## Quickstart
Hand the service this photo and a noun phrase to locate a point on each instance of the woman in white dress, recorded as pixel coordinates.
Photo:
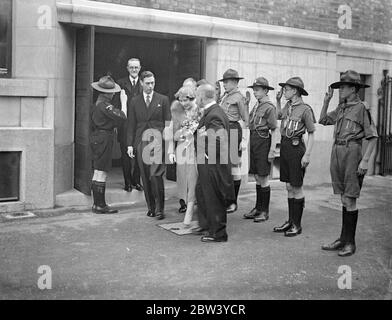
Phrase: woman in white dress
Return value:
(185, 117)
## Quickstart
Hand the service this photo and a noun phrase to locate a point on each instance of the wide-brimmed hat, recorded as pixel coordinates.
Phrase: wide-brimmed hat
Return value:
(231, 74)
(350, 77)
(185, 92)
(106, 84)
(261, 82)
(295, 82)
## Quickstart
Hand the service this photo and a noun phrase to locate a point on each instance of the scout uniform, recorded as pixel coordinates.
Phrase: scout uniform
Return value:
(262, 119)
(231, 103)
(353, 122)
(104, 118)
(296, 118)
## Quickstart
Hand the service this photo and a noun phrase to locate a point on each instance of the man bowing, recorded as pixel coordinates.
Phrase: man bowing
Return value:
(215, 182)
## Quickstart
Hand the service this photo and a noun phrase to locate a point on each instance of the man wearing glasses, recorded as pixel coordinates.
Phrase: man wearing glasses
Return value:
(131, 85)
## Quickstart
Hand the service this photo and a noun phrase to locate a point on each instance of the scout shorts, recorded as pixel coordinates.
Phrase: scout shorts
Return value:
(291, 154)
(345, 160)
(259, 149)
(101, 143)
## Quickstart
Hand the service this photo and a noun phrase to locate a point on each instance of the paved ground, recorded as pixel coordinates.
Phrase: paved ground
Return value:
(126, 256)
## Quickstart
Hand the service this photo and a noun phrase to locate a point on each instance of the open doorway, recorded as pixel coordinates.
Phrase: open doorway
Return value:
(172, 58)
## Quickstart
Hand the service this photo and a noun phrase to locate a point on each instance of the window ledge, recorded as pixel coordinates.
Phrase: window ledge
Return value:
(24, 87)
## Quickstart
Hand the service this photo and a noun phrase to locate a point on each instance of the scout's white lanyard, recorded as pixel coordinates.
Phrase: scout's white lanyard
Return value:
(290, 123)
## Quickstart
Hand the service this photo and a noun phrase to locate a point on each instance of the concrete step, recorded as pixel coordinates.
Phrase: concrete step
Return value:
(114, 195)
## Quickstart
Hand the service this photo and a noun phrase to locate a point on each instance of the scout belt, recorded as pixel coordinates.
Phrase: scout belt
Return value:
(262, 133)
(344, 142)
(295, 141)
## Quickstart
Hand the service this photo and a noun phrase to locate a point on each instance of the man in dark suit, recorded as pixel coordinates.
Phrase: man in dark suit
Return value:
(215, 182)
(132, 87)
(148, 114)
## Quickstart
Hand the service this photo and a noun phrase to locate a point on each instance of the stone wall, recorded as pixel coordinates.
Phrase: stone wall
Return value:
(371, 20)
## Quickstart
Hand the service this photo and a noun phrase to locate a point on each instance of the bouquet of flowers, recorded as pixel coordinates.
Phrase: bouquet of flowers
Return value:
(189, 126)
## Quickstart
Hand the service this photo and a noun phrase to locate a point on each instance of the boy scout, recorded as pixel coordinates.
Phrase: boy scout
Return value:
(233, 104)
(104, 118)
(262, 121)
(297, 118)
(353, 123)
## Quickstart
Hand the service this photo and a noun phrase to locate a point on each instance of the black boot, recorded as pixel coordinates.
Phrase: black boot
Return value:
(95, 195)
(265, 200)
(285, 226)
(298, 208)
(256, 211)
(102, 207)
(351, 226)
(339, 243)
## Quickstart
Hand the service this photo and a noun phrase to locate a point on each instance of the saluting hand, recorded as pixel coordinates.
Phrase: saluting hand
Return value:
(247, 98)
(328, 94)
(279, 95)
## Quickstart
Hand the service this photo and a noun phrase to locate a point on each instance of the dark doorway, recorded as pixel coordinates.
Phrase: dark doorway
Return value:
(171, 58)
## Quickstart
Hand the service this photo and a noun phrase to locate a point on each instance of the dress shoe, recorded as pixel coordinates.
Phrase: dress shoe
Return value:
(104, 210)
(347, 250)
(264, 216)
(212, 239)
(138, 187)
(231, 208)
(128, 188)
(293, 231)
(160, 216)
(150, 213)
(284, 227)
(252, 214)
(336, 245)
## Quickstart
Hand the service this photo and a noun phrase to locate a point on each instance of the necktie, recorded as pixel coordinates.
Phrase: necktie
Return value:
(133, 83)
(148, 101)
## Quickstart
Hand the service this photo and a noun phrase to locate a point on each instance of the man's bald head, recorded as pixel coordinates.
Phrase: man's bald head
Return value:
(205, 94)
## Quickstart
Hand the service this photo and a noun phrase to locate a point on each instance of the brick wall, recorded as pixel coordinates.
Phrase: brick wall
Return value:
(371, 19)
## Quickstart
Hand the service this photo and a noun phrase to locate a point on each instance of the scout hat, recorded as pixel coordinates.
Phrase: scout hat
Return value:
(185, 92)
(261, 82)
(106, 84)
(350, 77)
(296, 82)
(230, 74)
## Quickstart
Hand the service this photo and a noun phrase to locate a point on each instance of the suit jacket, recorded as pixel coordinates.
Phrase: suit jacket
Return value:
(141, 118)
(214, 118)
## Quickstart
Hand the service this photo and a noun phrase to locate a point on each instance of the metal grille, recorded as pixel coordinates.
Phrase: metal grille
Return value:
(385, 124)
